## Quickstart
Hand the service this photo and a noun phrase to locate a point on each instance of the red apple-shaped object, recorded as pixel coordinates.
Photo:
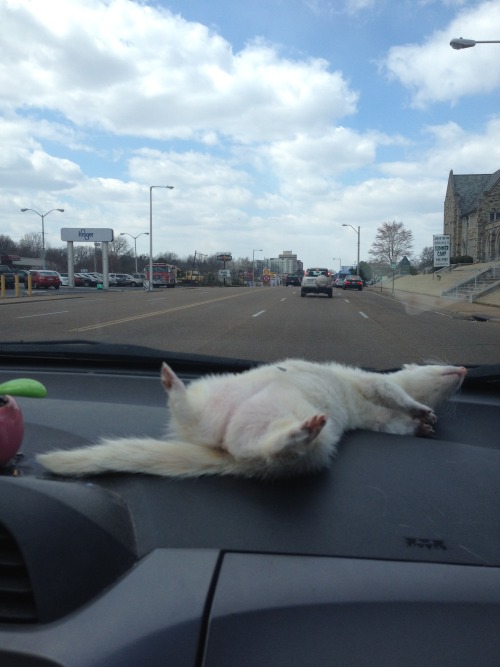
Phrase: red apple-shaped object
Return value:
(11, 429)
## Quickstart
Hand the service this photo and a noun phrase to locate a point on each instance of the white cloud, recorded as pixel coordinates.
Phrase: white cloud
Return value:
(434, 72)
(120, 66)
(257, 145)
(24, 161)
(450, 146)
(330, 7)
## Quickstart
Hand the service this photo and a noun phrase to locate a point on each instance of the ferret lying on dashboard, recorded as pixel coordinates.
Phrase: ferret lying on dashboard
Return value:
(278, 419)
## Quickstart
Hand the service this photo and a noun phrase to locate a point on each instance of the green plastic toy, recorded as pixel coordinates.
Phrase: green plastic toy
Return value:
(23, 387)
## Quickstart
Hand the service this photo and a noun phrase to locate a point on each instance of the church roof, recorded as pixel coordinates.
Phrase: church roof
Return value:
(470, 187)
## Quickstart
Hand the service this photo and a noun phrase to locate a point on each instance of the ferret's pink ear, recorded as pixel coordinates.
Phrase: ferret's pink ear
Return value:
(169, 379)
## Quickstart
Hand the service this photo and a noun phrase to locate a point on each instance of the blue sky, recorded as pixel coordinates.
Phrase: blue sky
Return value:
(276, 121)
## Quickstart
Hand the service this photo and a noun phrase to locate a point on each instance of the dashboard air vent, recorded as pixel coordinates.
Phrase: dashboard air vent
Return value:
(17, 602)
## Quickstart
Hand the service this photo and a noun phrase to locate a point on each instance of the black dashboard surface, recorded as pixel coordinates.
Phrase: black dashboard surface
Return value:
(390, 557)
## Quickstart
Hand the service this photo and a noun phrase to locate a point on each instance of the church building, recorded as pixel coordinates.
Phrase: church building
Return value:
(472, 215)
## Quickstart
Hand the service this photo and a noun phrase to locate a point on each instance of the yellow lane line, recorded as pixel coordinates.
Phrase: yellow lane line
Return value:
(132, 318)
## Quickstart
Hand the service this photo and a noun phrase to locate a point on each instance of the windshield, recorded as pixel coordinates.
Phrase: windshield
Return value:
(177, 162)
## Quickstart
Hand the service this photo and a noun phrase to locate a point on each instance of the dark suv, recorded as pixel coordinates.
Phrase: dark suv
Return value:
(292, 280)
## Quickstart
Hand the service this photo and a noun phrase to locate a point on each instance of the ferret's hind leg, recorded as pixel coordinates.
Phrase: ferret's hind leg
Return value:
(292, 436)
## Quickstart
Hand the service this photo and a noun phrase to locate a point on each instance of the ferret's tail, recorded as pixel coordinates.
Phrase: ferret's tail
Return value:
(168, 458)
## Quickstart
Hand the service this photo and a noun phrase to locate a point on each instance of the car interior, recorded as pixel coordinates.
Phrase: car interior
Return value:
(389, 557)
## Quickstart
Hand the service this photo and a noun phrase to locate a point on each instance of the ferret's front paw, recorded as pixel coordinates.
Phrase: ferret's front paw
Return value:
(423, 428)
(425, 415)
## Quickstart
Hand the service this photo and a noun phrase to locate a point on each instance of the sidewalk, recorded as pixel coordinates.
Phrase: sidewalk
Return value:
(425, 292)
(10, 297)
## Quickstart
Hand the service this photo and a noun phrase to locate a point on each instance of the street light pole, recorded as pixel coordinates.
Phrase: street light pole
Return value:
(135, 243)
(461, 43)
(358, 232)
(253, 265)
(42, 215)
(168, 187)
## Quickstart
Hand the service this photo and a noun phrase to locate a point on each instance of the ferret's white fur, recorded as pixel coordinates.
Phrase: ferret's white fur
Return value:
(278, 419)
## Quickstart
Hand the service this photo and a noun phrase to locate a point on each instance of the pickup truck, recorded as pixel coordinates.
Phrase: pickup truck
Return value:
(8, 273)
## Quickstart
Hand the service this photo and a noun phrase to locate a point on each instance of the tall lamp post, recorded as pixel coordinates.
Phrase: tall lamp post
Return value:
(358, 232)
(135, 243)
(168, 187)
(461, 43)
(42, 215)
(253, 265)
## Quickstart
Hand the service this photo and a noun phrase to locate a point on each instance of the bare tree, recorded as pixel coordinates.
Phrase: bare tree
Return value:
(426, 258)
(392, 243)
(7, 245)
(119, 250)
(169, 257)
(30, 245)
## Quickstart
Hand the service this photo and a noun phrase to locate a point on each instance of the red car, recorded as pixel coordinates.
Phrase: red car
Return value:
(45, 279)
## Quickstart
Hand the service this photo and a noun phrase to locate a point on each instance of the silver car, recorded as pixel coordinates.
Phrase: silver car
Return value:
(317, 281)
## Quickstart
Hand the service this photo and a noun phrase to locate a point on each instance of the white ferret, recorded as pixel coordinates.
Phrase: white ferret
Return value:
(278, 419)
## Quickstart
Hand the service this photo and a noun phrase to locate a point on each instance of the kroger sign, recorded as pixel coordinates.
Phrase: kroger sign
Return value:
(86, 235)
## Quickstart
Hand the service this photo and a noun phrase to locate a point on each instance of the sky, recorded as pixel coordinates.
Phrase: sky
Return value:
(276, 121)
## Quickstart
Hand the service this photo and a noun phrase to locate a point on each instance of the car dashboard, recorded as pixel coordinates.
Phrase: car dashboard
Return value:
(390, 557)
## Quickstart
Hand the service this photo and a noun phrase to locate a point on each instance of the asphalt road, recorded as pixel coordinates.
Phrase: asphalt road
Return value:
(365, 328)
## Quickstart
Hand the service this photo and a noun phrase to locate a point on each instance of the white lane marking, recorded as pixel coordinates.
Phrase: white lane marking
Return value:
(363, 315)
(55, 312)
(347, 300)
(283, 299)
(259, 313)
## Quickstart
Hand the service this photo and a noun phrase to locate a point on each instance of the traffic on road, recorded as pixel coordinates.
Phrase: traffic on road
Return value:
(369, 327)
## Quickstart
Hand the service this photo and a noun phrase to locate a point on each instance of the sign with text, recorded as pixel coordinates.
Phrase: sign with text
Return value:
(86, 235)
(441, 250)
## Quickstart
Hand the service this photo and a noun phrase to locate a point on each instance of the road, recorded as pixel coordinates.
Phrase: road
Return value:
(365, 328)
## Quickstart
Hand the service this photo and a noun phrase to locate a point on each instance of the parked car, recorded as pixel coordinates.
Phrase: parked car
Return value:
(78, 282)
(317, 281)
(353, 282)
(120, 279)
(90, 279)
(23, 276)
(137, 279)
(8, 274)
(45, 279)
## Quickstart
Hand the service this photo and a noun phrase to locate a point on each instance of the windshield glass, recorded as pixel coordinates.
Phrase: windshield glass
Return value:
(177, 162)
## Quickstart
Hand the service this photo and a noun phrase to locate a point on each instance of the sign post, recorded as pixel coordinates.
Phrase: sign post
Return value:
(224, 257)
(86, 235)
(393, 269)
(441, 244)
